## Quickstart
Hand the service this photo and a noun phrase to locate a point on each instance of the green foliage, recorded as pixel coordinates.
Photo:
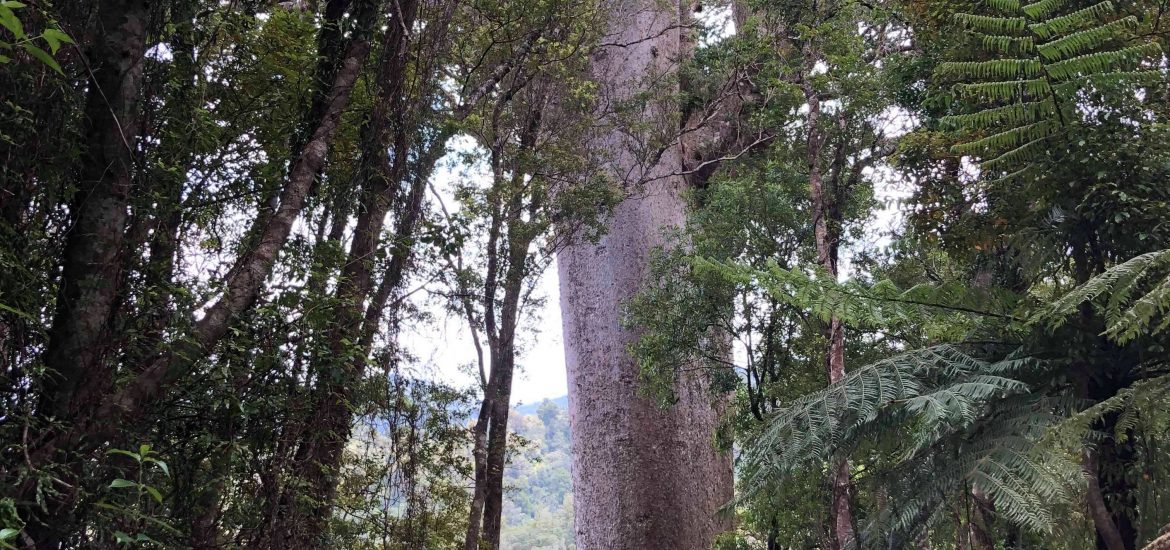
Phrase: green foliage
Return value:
(538, 509)
(1134, 297)
(962, 423)
(51, 35)
(1021, 103)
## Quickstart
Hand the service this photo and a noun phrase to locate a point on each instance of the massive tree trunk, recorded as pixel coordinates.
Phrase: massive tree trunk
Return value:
(643, 476)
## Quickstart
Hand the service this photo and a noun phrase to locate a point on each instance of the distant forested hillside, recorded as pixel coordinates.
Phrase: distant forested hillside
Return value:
(538, 506)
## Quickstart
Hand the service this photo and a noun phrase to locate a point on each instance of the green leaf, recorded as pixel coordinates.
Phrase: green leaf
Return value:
(54, 38)
(161, 465)
(9, 20)
(123, 537)
(122, 483)
(43, 56)
(137, 457)
(8, 533)
(154, 493)
(9, 309)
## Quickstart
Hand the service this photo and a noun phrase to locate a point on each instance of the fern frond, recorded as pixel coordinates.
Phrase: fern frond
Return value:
(1077, 427)
(997, 455)
(997, 69)
(940, 387)
(1052, 58)
(1070, 22)
(1012, 138)
(1084, 41)
(991, 25)
(1100, 62)
(1015, 114)
(1019, 155)
(1044, 8)
(1126, 318)
(1010, 45)
(1134, 321)
(1010, 6)
(1018, 90)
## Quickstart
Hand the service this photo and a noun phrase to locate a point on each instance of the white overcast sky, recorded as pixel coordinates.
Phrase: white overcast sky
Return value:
(445, 346)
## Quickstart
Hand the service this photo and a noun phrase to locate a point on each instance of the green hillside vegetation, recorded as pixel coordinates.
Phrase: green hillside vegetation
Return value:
(538, 512)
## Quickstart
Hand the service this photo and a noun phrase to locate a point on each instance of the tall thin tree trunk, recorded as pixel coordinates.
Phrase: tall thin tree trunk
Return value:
(318, 461)
(1108, 535)
(497, 449)
(826, 223)
(507, 269)
(643, 476)
(479, 482)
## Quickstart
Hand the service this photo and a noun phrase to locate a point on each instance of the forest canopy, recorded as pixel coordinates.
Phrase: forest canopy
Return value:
(832, 273)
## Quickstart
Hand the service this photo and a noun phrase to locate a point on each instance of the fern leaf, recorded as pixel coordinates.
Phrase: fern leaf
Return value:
(991, 25)
(1015, 114)
(1078, 19)
(1009, 6)
(1044, 8)
(1019, 155)
(1084, 41)
(1010, 45)
(1141, 313)
(997, 69)
(1120, 282)
(1012, 138)
(1099, 62)
(1006, 90)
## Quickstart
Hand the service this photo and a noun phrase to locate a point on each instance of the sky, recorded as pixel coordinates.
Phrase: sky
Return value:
(445, 347)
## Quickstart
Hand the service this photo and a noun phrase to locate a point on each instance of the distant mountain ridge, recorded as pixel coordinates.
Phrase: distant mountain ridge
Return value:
(561, 402)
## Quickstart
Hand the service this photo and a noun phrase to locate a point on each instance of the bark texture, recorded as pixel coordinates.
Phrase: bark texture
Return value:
(92, 269)
(644, 477)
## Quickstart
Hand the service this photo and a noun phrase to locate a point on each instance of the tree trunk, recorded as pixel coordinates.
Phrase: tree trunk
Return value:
(92, 270)
(497, 448)
(507, 269)
(826, 230)
(94, 257)
(643, 477)
(318, 460)
(982, 511)
(1110, 535)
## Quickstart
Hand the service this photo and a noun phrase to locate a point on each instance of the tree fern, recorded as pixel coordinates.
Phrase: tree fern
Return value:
(997, 456)
(956, 421)
(935, 386)
(1045, 52)
(1134, 295)
(949, 307)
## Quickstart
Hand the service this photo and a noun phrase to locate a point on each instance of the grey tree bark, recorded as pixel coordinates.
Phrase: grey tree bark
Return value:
(644, 477)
